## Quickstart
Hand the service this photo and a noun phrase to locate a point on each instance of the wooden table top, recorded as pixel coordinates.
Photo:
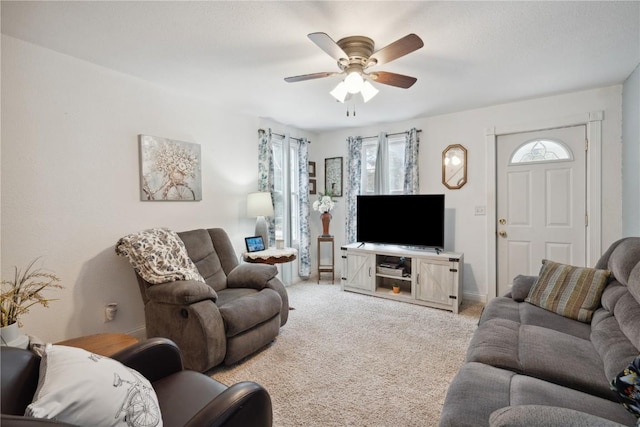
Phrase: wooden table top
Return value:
(105, 344)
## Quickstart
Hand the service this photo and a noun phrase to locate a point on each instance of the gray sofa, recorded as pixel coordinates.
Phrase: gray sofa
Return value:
(527, 366)
(238, 310)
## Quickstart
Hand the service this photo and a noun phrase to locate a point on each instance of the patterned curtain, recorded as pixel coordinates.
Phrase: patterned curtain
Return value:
(411, 185)
(265, 175)
(304, 257)
(352, 186)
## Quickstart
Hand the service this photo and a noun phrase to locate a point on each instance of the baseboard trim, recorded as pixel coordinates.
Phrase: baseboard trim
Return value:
(140, 332)
(474, 297)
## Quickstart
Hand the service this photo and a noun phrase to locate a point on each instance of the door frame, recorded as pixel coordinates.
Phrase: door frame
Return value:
(593, 123)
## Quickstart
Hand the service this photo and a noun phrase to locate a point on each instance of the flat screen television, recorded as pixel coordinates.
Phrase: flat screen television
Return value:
(406, 220)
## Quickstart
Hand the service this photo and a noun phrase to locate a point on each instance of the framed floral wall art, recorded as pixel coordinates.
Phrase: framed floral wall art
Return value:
(169, 170)
(333, 176)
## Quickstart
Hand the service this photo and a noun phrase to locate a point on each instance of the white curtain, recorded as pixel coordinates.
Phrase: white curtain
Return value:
(381, 182)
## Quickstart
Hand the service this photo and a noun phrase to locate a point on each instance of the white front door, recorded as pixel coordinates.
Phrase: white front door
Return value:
(541, 201)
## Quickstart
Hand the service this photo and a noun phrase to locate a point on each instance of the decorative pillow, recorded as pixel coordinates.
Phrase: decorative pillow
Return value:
(573, 292)
(158, 255)
(627, 385)
(85, 389)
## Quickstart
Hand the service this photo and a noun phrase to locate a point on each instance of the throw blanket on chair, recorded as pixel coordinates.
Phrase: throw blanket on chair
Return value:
(158, 255)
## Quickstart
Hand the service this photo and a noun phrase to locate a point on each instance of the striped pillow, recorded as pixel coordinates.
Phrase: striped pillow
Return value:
(572, 292)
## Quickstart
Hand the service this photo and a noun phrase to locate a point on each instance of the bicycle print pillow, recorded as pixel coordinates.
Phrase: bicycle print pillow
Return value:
(82, 388)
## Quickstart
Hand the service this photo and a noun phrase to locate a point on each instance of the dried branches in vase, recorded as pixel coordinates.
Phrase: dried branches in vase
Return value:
(24, 291)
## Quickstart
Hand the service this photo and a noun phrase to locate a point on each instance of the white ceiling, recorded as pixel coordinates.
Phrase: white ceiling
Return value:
(237, 53)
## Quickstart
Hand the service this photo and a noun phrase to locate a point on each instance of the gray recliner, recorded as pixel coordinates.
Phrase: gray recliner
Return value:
(237, 311)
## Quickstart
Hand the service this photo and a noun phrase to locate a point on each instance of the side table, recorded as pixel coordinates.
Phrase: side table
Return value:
(102, 344)
(328, 267)
(270, 256)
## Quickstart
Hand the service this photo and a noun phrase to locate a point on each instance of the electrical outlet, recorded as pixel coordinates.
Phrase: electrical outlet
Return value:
(110, 311)
(480, 210)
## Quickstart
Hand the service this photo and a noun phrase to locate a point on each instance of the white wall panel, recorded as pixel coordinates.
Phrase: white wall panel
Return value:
(558, 209)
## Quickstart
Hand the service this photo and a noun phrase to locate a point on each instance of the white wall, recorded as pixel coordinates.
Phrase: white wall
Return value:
(70, 179)
(631, 155)
(465, 231)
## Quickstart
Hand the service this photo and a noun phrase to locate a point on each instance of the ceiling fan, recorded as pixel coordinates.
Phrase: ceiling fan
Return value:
(355, 54)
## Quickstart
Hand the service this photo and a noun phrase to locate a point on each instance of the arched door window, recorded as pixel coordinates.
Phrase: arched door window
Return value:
(541, 150)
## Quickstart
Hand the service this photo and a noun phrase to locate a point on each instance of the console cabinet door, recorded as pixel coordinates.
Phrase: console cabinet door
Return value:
(360, 272)
(435, 281)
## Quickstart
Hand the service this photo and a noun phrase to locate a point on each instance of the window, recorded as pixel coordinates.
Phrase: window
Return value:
(541, 150)
(285, 167)
(392, 179)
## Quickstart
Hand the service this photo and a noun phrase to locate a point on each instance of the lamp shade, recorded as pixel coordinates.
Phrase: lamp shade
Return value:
(259, 204)
(368, 91)
(354, 82)
(340, 92)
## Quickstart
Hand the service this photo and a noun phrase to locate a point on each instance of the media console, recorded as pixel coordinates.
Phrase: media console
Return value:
(425, 277)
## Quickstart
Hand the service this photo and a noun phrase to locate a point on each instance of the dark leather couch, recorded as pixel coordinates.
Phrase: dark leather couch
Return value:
(186, 398)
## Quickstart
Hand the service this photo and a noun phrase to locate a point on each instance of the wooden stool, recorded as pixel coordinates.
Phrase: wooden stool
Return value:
(329, 267)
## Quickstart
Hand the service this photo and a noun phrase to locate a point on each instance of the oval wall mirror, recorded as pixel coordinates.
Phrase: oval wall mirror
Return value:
(454, 166)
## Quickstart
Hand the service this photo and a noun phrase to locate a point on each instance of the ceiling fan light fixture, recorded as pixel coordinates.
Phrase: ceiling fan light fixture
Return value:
(368, 91)
(340, 92)
(354, 54)
(354, 82)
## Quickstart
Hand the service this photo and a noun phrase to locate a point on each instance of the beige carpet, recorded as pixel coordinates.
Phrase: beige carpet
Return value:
(345, 359)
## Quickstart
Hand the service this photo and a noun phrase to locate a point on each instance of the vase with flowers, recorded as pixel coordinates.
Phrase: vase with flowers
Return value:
(325, 204)
(17, 295)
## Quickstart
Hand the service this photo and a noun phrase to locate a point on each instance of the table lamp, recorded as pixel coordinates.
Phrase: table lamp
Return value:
(260, 205)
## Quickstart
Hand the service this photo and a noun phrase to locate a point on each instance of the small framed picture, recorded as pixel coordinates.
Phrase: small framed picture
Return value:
(312, 186)
(333, 176)
(312, 170)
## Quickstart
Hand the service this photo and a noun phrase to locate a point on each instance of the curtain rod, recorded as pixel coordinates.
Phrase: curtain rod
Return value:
(279, 134)
(390, 134)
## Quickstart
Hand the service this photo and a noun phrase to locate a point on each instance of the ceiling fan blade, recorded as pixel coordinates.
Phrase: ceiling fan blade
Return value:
(304, 77)
(397, 49)
(393, 79)
(327, 44)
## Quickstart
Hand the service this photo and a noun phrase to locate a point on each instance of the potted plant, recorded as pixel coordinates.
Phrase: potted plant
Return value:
(396, 288)
(18, 295)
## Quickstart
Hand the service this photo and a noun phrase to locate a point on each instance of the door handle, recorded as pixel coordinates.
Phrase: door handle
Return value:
(502, 233)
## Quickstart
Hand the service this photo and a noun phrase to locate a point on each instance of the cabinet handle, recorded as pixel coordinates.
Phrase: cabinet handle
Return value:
(369, 271)
(418, 279)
